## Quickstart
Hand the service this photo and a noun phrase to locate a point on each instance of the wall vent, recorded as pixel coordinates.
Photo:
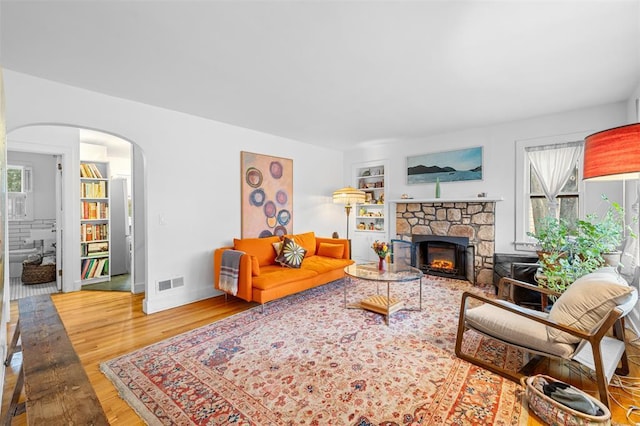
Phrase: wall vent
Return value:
(171, 283)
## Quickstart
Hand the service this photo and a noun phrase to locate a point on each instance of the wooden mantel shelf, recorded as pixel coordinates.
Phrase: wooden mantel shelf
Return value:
(446, 200)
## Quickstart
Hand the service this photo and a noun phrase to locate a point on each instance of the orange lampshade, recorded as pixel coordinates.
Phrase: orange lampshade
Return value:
(613, 154)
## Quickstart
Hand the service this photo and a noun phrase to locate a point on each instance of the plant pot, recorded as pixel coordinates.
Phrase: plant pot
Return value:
(612, 258)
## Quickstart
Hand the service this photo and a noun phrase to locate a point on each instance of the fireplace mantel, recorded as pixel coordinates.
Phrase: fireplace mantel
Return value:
(446, 200)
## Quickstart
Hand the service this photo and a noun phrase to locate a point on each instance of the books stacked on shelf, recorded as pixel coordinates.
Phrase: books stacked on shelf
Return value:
(94, 268)
(93, 189)
(96, 249)
(90, 170)
(89, 232)
(94, 210)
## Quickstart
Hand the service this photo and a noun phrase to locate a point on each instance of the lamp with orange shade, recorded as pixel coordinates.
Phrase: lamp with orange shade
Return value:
(614, 154)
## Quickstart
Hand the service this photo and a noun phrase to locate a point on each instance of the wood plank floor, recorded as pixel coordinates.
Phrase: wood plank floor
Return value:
(103, 325)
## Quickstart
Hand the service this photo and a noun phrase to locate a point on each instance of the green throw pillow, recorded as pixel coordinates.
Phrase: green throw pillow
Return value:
(291, 254)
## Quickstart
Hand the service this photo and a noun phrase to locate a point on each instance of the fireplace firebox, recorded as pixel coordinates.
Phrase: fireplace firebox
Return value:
(444, 256)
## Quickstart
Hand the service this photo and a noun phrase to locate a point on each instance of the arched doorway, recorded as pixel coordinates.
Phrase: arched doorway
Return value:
(65, 142)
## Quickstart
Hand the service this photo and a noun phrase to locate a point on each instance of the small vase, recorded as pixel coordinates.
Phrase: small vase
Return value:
(437, 187)
(381, 264)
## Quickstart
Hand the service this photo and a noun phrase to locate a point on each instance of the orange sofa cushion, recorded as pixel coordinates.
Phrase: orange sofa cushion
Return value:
(275, 275)
(307, 241)
(331, 250)
(262, 248)
(321, 264)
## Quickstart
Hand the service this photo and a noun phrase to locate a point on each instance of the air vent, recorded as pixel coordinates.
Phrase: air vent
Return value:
(171, 283)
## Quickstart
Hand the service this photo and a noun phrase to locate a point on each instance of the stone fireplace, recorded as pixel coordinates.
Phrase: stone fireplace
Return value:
(445, 256)
(472, 220)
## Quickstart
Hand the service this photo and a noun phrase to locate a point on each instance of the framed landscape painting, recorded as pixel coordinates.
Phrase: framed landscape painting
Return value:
(267, 195)
(447, 166)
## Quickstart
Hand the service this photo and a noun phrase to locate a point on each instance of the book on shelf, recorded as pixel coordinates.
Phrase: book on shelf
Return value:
(85, 268)
(93, 189)
(95, 249)
(93, 267)
(90, 170)
(91, 210)
(93, 232)
(95, 170)
(100, 247)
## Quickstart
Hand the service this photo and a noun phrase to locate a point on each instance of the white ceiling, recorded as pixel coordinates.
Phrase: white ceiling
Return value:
(335, 73)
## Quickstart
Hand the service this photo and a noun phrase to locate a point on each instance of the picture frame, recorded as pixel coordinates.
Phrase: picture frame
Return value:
(267, 195)
(445, 166)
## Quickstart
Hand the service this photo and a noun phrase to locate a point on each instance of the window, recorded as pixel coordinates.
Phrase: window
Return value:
(19, 192)
(568, 199)
(531, 201)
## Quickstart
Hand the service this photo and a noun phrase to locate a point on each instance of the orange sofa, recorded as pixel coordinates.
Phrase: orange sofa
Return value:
(261, 279)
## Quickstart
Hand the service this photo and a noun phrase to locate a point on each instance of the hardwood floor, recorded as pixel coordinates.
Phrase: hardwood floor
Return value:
(103, 325)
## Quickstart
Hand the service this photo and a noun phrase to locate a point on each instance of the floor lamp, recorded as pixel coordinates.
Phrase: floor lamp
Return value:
(348, 196)
(614, 154)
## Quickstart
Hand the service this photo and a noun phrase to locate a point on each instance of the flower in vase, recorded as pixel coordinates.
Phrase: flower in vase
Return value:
(381, 248)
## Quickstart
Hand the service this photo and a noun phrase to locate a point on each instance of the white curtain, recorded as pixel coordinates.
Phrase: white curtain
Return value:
(553, 165)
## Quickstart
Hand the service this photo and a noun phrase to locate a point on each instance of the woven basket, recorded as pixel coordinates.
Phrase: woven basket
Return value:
(33, 272)
(553, 413)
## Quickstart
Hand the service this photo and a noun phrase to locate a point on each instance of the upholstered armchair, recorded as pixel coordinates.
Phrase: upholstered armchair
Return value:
(576, 328)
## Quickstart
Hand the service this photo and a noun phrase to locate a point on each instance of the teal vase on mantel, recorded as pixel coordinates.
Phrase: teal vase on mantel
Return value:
(437, 187)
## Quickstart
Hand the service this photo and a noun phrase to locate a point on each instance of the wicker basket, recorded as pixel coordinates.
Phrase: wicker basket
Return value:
(33, 272)
(553, 413)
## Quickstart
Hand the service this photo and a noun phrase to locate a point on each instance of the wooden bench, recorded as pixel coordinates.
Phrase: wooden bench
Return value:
(57, 389)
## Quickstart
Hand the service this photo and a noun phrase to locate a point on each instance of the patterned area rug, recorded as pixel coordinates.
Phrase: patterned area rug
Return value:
(309, 361)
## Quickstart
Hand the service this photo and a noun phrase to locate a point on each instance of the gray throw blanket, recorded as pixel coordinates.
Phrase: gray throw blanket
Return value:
(229, 271)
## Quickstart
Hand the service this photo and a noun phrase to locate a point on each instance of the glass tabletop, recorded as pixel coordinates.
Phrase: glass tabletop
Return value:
(392, 272)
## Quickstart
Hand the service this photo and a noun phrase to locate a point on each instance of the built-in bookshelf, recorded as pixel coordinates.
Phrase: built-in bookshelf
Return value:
(371, 216)
(94, 222)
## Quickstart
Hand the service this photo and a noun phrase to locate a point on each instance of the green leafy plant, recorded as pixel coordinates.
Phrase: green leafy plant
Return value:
(551, 234)
(569, 252)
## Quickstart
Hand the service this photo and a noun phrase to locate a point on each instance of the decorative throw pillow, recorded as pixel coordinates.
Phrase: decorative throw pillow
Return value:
(306, 240)
(277, 246)
(586, 302)
(291, 254)
(331, 250)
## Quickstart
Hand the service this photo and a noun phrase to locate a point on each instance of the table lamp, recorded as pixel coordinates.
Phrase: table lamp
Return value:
(348, 196)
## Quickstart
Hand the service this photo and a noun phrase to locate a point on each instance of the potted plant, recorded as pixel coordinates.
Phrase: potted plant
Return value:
(552, 235)
(601, 237)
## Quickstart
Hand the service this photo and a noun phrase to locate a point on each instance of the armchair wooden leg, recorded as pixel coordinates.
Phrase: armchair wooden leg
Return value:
(515, 376)
(618, 331)
(601, 378)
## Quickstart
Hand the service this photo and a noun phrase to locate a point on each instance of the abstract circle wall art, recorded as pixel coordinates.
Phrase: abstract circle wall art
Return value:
(276, 169)
(253, 177)
(257, 197)
(267, 195)
(270, 209)
(284, 217)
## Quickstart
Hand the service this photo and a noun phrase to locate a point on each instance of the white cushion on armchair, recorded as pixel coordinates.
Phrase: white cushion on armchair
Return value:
(510, 327)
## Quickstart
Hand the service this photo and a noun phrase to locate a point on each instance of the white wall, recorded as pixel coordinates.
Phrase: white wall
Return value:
(499, 166)
(192, 177)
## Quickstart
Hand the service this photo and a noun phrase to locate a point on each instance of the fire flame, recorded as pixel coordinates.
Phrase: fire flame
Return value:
(442, 264)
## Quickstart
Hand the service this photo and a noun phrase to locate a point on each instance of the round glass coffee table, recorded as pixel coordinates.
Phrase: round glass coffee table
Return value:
(393, 273)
